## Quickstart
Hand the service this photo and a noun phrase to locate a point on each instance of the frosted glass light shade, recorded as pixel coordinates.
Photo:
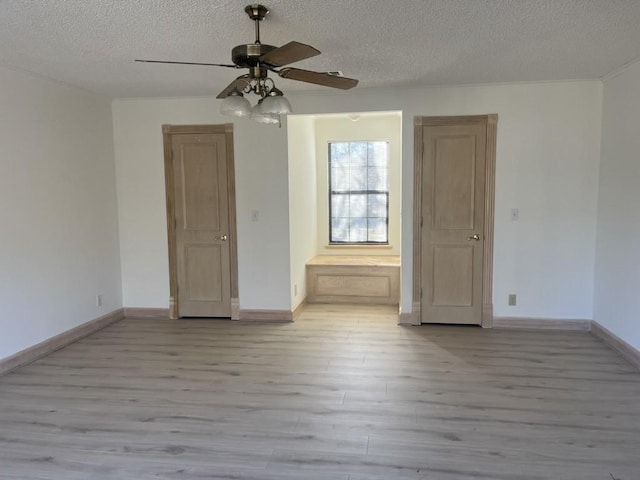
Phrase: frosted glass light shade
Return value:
(235, 106)
(259, 116)
(276, 104)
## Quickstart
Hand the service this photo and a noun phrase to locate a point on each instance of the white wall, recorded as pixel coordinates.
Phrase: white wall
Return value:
(547, 166)
(261, 184)
(303, 218)
(58, 217)
(380, 126)
(617, 282)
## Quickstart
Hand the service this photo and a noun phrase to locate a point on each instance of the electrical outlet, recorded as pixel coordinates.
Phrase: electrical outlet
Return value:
(99, 300)
(515, 214)
(255, 215)
(512, 299)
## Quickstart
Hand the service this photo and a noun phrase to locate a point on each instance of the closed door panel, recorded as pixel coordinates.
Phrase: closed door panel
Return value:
(453, 222)
(454, 158)
(202, 272)
(452, 276)
(202, 225)
(199, 168)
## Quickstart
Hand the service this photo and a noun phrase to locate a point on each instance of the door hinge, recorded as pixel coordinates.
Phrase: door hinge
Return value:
(420, 292)
(421, 221)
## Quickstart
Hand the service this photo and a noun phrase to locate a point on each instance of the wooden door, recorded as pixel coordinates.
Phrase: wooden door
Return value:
(201, 221)
(453, 212)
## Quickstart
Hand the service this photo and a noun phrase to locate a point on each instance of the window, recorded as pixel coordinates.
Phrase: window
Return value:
(358, 193)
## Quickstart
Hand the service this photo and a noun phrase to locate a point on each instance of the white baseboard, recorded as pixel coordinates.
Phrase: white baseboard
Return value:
(298, 309)
(143, 312)
(59, 341)
(239, 314)
(266, 315)
(616, 343)
(530, 323)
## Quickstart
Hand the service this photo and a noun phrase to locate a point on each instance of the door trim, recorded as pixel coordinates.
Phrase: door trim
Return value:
(167, 132)
(491, 122)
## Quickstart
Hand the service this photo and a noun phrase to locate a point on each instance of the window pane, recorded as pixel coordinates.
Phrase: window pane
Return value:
(339, 154)
(358, 206)
(377, 179)
(339, 206)
(358, 153)
(378, 205)
(358, 230)
(377, 230)
(340, 178)
(339, 229)
(358, 180)
(377, 154)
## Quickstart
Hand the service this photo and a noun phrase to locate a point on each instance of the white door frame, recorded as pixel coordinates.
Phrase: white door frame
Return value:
(491, 122)
(167, 132)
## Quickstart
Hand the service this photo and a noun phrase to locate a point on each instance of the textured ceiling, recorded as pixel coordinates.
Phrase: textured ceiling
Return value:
(92, 43)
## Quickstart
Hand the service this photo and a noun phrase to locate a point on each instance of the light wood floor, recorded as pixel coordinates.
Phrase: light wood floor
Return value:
(343, 393)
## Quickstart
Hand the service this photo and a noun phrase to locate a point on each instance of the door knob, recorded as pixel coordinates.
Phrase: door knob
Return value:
(475, 237)
(222, 237)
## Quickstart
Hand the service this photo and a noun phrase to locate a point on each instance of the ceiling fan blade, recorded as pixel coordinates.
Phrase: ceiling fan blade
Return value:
(318, 78)
(190, 63)
(289, 53)
(238, 84)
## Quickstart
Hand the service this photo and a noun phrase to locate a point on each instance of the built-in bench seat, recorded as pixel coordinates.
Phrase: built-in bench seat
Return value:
(369, 279)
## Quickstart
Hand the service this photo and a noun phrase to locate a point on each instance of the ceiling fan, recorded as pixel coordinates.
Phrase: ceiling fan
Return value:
(260, 59)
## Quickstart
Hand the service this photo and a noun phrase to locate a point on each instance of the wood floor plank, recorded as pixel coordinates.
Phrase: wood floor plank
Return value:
(344, 393)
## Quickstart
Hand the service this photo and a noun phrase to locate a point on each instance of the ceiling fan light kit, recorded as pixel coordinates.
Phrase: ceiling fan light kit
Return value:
(275, 103)
(261, 59)
(235, 105)
(259, 116)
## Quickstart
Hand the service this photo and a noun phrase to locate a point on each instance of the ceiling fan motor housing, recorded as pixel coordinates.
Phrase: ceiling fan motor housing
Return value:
(248, 55)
